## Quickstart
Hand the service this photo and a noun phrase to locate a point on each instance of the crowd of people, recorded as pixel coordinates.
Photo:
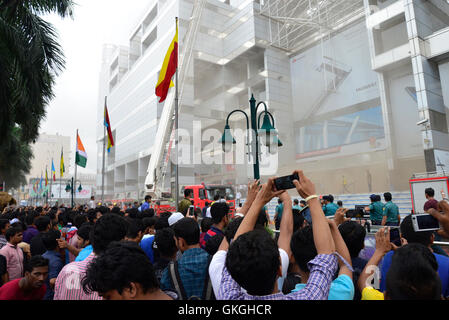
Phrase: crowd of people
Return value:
(98, 252)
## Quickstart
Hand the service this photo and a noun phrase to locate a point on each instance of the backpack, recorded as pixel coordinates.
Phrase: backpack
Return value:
(208, 293)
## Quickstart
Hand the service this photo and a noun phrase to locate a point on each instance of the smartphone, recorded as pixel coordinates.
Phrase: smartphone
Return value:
(286, 182)
(191, 210)
(354, 213)
(395, 236)
(424, 222)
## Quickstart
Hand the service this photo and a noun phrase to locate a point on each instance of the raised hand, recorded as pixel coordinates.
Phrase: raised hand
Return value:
(304, 186)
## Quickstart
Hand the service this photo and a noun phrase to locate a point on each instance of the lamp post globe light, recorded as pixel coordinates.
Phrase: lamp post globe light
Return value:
(69, 187)
(267, 133)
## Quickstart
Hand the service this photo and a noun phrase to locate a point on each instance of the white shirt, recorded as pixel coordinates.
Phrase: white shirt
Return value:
(218, 262)
(92, 204)
(208, 215)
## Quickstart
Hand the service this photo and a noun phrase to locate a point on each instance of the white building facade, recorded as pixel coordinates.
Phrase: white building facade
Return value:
(346, 82)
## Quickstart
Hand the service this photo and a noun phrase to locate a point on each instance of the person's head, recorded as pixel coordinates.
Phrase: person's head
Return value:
(42, 223)
(50, 239)
(149, 225)
(136, 230)
(213, 244)
(408, 233)
(14, 235)
(373, 198)
(166, 243)
(116, 210)
(253, 262)
(36, 271)
(295, 202)
(232, 227)
(188, 193)
(206, 223)
(429, 192)
(302, 203)
(148, 198)
(122, 272)
(187, 233)
(353, 235)
(31, 217)
(413, 274)
(298, 220)
(387, 196)
(161, 223)
(326, 199)
(4, 225)
(108, 228)
(340, 203)
(219, 212)
(217, 197)
(303, 247)
(84, 235)
(279, 201)
(262, 220)
(92, 198)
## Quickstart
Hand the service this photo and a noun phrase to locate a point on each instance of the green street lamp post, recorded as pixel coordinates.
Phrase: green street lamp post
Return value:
(267, 132)
(69, 187)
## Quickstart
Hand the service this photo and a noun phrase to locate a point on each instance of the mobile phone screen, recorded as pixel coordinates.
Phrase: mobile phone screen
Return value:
(286, 182)
(350, 213)
(427, 222)
(395, 236)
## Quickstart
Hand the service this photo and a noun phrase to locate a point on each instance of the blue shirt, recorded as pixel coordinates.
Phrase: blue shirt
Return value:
(84, 253)
(55, 266)
(296, 206)
(147, 246)
(144, 206)
(279, 210)
(330, 209)
(443, 272)
(342, 288)
(192, 268)
(306, 214)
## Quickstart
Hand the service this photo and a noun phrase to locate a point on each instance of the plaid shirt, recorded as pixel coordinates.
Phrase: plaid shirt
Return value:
(322, 268)
(68, 284)
(192, 268)
(3, 241)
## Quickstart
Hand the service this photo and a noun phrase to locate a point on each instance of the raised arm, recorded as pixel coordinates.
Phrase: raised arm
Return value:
(253, 188)
(341, 248)
(322, 237)
(286, 228)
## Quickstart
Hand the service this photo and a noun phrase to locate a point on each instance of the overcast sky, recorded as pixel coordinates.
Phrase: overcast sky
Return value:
(74, 107)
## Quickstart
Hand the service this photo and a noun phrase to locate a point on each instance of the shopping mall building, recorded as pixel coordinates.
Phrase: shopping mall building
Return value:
(358, 89)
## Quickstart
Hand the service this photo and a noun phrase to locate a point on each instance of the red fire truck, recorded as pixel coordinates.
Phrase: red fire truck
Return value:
(203, 193)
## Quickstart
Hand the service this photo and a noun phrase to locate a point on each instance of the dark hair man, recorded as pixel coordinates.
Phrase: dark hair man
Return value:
(108, 228)
(4, 225)
(340, 203)
(190, 272)
(375, 209)
(31, 286)
(185, 203)
(390, 213)
(55, 264)
(123, 272)
(12, 252)
(206, 224)
(43, 224)
(31, 229)
(431, 201)
(135, 230)
(278, 214)
(296, 204)
(329, 207)
(84, 242)
(146, 204)
(220, 219)
(166, 245)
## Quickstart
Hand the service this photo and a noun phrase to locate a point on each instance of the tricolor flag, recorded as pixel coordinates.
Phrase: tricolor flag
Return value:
(168, 69)
(40, 183)
(81, 155)
(61, 166)
(46, 177)
(107, 124)
(53, 171)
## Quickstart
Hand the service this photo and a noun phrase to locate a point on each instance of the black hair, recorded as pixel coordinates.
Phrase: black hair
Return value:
(430, 192)
(116, 210)
(132, 212)
(31, 217)
(187, 192)
(147, 197)
(279, 201)
(217, 197)
(262, 220)
(253, 262)
(42, 223)
(166, 244)
(232, 227)
(149, 222)
(387, 196)
(108, 228)
(378, 198)
(134, 226)
(295, 201)
(12, 231)
(218, 211)
(165, 214)
(120, 264)
(84, 231)
(213, 244)
(50, 239)
(188, 229)
(298, 219)
(353, 235)
(326, 198)
(3, 223)
(161, 223)
(407, 232)
(340, 203)
(79, 219)
(413, 274)
(91, 215)
(303, 202)
(147, 213)
(35, 262)
(303, 247)
(206, 223)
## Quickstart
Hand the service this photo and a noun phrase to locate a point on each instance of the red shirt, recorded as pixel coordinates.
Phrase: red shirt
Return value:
(12, 291)
(432, 203)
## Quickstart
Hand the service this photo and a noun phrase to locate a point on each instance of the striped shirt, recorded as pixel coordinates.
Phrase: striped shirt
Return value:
(322, 268)
(68, 284)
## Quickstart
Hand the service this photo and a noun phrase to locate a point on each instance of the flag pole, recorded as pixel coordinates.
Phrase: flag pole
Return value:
(176, 129)
(74, 181)
(51, 180)
(104, 153)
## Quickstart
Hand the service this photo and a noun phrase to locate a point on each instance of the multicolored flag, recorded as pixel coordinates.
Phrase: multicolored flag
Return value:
(46, 177)
(61, 167)
(40, 183)
(168, 69)
(81, 155)
(107, 124)
(53, 171)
